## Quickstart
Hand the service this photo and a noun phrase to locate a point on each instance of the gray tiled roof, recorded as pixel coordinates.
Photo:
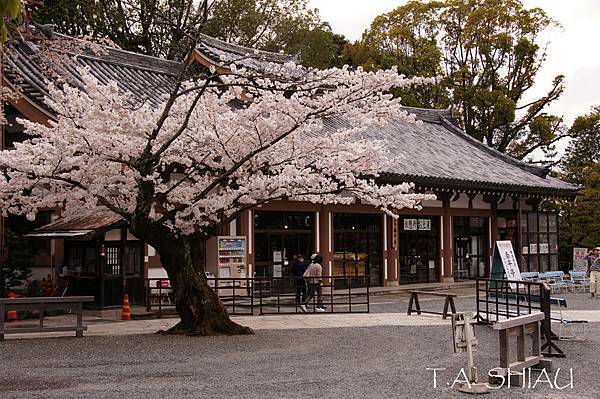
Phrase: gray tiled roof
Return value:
(147, 78)
(434, 152)
(223, 53)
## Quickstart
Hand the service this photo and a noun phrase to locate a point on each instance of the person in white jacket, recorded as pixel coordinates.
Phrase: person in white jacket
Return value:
(314, 279)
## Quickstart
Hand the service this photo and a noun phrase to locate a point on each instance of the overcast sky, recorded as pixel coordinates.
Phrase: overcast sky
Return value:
(573, 51)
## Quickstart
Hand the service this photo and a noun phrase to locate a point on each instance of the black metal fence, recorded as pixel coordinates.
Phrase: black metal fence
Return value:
(271, 295)
(499, 299)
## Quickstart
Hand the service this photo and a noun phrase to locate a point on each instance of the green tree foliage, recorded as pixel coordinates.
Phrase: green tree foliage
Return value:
(407, 38)
(580, 220)
(487, 55)
(277, 25)
(160, 27)
(11, 12)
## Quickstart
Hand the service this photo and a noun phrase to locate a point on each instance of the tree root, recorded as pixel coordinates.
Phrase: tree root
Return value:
(227, 328)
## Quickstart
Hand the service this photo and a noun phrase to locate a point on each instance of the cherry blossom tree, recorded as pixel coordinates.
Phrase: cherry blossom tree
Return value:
(218, 145)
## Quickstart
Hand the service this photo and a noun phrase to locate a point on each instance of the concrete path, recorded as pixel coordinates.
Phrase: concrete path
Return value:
(283, 322)
(278, 322)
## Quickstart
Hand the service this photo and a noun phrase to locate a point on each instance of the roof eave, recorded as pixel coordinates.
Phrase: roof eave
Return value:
(436, 183)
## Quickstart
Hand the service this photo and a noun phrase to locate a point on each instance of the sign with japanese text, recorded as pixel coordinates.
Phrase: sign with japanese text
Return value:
(504, 263)
(425, 224)
(410, 224)
(580, 263)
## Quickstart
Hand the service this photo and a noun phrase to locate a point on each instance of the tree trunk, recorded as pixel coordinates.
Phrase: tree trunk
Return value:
(199, 308)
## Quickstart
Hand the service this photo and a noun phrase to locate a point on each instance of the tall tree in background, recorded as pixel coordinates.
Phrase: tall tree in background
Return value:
(487, 54)
(406, 38)
(580, 220)
(159, 27)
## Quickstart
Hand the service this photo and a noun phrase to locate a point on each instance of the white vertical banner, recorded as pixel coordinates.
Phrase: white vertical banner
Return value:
(396, 271)
(233, 228)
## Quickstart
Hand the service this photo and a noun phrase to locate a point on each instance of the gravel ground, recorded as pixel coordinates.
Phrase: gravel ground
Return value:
(371, 362)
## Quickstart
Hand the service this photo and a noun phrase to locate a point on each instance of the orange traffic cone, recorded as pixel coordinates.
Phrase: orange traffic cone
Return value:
(11, 315)
(126, 312)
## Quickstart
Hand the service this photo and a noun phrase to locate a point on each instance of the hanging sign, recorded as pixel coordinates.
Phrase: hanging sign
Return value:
(410, 224)
(504, 263)
(425, 224)
(580, 263)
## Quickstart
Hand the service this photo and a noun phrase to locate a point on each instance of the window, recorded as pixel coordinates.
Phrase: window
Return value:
(540, 242)
(113, 260)
(82, 259)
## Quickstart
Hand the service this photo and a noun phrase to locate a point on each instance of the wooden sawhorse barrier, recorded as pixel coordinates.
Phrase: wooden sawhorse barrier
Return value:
(414, 299)
(520, 327)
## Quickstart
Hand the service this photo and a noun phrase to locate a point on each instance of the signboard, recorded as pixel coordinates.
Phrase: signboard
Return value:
(533, 249)
(277, 269)
(544, 248)
(425, 224)
(504, 263)
(417, 224)
(410, 224)
(395, 231)
(580, 263)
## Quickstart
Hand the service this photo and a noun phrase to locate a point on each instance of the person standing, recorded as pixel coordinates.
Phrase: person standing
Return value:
(594, 271)
(298, 269)
(314, 277)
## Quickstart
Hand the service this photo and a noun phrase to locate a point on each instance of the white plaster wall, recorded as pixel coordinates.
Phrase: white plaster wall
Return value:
(461, 202)
(479, 203)
(507, 204)
(113, 235)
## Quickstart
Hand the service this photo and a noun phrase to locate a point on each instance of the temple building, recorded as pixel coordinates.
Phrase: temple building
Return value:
(482, 195)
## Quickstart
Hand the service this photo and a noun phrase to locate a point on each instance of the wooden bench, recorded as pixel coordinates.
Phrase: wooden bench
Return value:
(43, 304)
(414, 299)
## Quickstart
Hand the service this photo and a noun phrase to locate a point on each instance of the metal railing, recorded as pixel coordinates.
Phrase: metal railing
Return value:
(270, 295)
(498, 299)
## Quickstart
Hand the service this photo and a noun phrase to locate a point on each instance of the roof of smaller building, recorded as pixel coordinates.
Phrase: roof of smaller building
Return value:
(84, 225)
(222, 53)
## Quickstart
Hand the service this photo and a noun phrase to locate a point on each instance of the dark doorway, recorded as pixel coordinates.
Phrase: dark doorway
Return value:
(357, 248)
(470, 247)
(279, 238)
(419, 249)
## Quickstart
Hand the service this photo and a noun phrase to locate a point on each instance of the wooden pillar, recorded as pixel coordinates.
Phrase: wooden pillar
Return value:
(519, 240)
(391, 254)
(246, 229)
(493, 234)
(326, 239)
(447, 252)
